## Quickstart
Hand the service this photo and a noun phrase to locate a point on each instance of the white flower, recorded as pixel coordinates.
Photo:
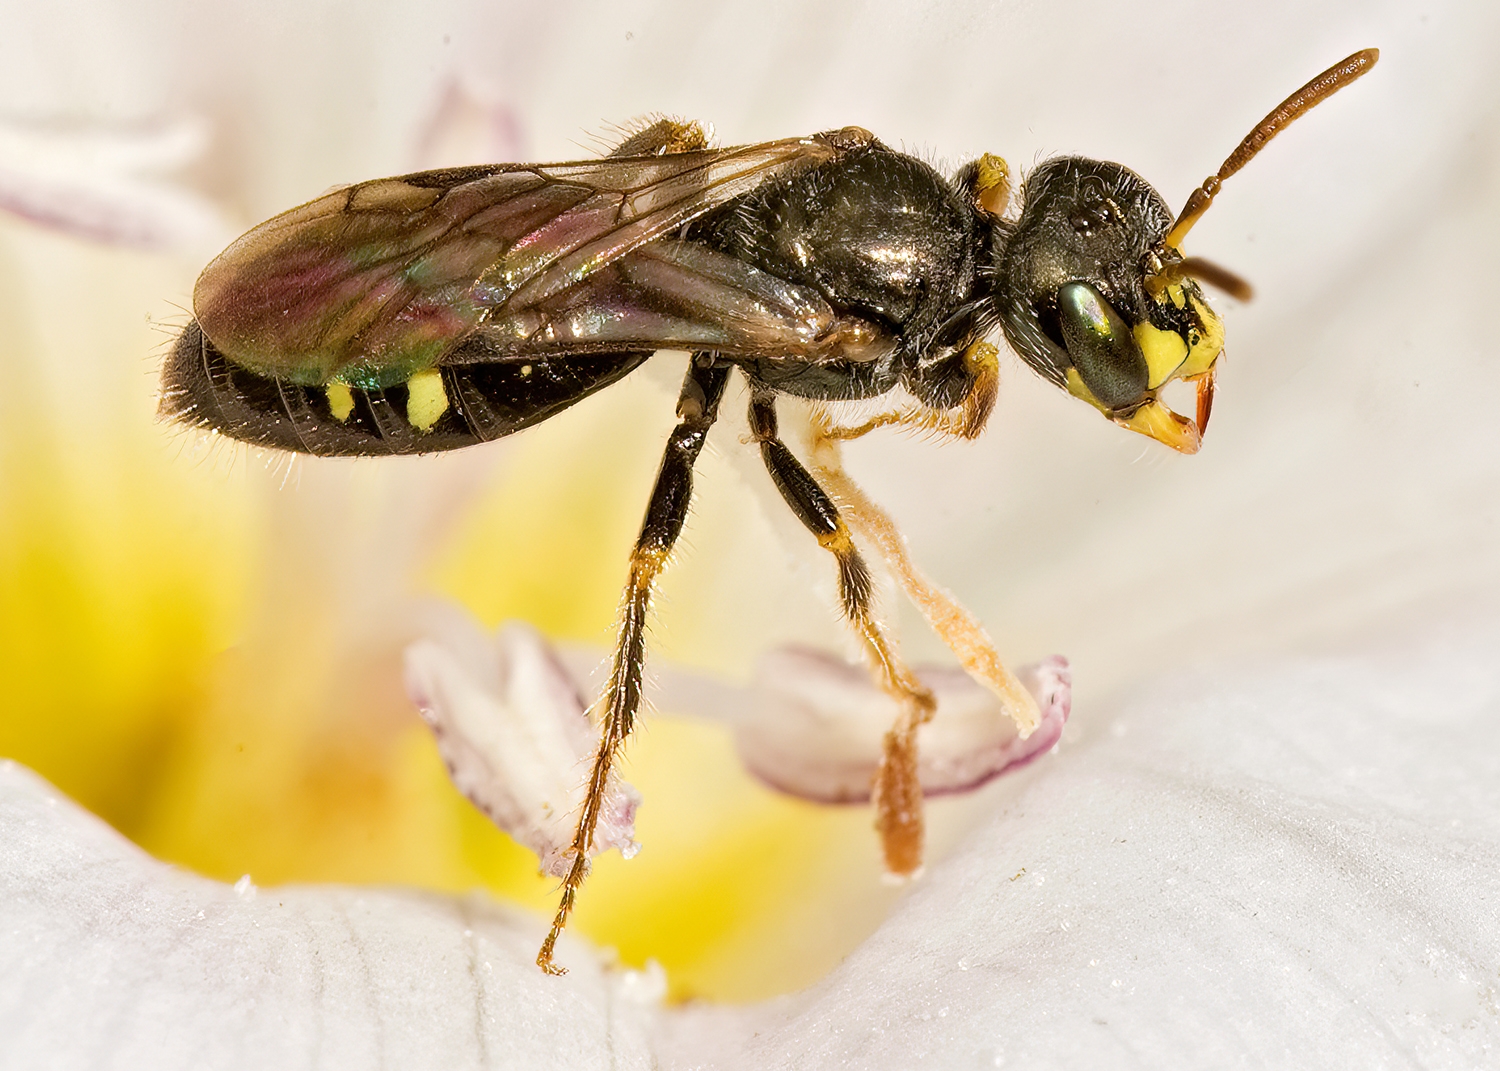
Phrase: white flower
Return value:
(1293, 866)
(513, 730)
(106, 184)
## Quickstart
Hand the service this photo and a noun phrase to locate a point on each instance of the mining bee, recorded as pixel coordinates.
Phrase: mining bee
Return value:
(447, 308)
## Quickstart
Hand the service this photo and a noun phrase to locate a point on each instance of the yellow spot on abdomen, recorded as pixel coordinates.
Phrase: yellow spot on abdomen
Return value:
(340, 400)
(426, 399)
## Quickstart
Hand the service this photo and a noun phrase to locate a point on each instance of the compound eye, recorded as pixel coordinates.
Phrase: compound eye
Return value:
(1103, 350)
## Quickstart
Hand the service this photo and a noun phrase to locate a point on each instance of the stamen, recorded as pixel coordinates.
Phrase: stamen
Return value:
(816, 727)
(511, 728)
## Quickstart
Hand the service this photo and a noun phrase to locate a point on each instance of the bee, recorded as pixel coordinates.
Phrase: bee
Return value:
(448, 308)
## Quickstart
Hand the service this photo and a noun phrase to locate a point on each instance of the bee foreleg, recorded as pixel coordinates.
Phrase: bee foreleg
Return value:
(697, 408)
(955, 625)
(898, 793)
(973, 375)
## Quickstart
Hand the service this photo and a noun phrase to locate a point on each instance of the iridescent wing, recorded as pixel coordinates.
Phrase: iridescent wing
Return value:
(672, 294)
(370, 284)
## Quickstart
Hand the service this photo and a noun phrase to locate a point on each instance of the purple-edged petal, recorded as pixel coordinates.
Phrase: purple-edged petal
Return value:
(516, 737)
(819, 721)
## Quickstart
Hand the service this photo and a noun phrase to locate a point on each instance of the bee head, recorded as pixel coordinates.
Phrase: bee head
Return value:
(1093, 290)
(1090, 297)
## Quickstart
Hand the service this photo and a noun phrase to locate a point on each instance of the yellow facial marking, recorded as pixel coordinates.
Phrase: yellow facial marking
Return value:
(340, 400)
(1164, 350)
(426, 400)
(1153, 419)
(1078, 389)
(1203, 347)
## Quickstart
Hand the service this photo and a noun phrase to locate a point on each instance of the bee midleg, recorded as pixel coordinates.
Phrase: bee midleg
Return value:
(898, 793)
(697, 408)
(955, 625)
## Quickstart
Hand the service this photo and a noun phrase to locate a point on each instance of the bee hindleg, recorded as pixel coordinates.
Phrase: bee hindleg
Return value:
(955, 625)
(898, 793)
(697, 408)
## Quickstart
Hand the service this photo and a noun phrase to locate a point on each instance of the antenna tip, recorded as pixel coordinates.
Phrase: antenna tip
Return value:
(1356, 66)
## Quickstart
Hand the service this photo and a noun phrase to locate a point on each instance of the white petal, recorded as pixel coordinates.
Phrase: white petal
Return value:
(471, 124)
(1294, 868)
(110, 959)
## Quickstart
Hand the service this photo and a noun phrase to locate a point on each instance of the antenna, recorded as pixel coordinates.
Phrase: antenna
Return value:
(1298, 104)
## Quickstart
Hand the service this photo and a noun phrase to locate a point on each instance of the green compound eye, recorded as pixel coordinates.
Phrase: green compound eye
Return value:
(1101, 346)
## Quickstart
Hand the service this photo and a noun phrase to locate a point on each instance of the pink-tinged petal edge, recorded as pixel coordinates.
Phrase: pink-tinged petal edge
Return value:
(105, 184)
(818, 723)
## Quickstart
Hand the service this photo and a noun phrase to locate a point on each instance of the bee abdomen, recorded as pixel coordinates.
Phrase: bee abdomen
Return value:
(438, 409)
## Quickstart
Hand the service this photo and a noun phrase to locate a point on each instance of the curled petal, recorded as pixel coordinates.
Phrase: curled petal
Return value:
(516, 737)
(818, 725)
(105, 183)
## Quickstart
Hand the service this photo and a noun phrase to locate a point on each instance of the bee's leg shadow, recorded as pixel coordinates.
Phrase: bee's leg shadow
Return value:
(897, 792)
(697, 408)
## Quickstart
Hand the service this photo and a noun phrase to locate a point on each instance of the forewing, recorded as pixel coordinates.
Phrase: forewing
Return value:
(371, 283)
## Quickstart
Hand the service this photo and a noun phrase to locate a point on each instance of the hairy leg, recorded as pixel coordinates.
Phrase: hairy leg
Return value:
(978, 369)
(898, 793)
(957, 627)
(697, 408)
